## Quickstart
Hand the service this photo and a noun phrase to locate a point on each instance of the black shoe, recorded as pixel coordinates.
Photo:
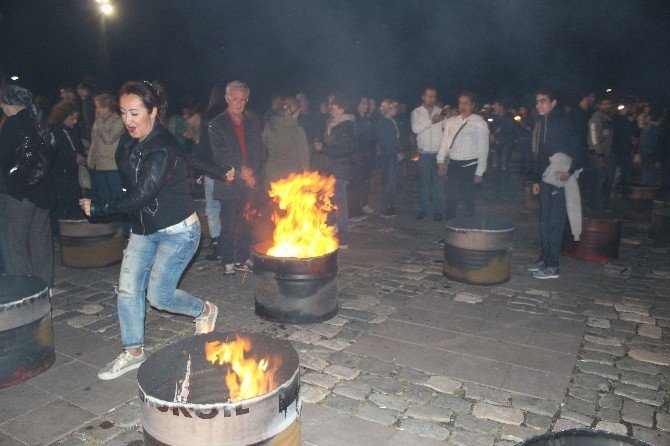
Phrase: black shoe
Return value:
(421, 215)
(441, 242)
(437, 217)
(213, 256)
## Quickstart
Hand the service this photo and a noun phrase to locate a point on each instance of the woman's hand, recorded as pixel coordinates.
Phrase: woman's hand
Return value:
(536, 188)
(80, 160)
(85, 204)
(230, 176)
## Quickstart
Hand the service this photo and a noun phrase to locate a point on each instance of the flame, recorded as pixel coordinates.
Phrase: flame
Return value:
(301, 230)
(246, 377)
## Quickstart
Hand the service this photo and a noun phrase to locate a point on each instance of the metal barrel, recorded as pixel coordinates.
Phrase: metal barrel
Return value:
(582, 437)
(659, 229)
(634, 202)
(478, 251)
(600, 238)
(203, 414)
(84, 244)
(295, 290)
(26, 333)
(531, 201)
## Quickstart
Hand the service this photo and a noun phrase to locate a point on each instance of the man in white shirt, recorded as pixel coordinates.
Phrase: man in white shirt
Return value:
(466, 143)
(428, 124)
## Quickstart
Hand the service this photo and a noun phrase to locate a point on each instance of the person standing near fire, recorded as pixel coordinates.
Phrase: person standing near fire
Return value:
(165, 228)
(235, 140)
(466, 144)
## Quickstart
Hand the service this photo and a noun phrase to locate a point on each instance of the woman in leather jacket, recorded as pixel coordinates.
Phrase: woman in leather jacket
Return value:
(165, 228)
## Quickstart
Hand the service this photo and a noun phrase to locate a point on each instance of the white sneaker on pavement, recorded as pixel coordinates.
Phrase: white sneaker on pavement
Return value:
(123, 363)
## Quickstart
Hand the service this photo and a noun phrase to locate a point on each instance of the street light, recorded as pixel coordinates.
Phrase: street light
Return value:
(14, 78)
(106, 9)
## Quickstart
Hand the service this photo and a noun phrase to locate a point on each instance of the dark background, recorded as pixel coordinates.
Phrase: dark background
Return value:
(379, 48)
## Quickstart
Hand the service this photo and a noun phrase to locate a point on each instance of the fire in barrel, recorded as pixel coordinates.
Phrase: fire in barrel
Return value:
(221, 389)
(296, 271)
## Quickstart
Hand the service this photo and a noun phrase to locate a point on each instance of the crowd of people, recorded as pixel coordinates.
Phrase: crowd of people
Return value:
(124, 155)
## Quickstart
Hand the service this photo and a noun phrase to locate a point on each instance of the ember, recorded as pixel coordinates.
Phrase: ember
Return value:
(246, 377)
(301, 230)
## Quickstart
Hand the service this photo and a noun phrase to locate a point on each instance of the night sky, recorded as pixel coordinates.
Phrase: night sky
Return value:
(381, 48)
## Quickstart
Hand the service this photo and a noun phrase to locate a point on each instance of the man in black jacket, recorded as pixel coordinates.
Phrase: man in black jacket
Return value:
(235, 140)
(554, 133)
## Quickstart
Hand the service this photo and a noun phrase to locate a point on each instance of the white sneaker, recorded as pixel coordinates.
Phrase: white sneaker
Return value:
(125, 362)
(206, 324)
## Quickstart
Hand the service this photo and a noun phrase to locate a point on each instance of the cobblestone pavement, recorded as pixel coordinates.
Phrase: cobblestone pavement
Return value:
(411, 358)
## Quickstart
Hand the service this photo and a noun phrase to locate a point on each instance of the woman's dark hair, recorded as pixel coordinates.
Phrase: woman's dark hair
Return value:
(344, 102)
(109, 101)
(151, 95)
(468, 94)
(546, 91)
(217, 97)
(60, 112)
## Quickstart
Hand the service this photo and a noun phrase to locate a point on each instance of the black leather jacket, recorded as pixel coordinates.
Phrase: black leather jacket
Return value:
(154, 174)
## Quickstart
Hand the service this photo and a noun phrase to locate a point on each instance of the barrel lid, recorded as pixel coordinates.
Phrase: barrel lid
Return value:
(480, 224)
(13, 288)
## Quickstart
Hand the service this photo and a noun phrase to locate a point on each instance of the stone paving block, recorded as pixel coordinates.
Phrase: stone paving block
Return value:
(651, 357)
(6, 440)
(565, 424)
(354, 305)
(505, 415)
(583, 394)
(336, 321)
(443, 384)
(637, 413)
(102, 396)
(535, 405)
(639, 394)
(342, 372)
(637, 318)
(650, 331)
(350, 392)
(593, 368)
(21, 398)
(402, 438)
(455, 403)
(653, 437)
(598, 357)
(624, 308)
(576, 417)
(637, 366)
(486, 394)
(517, 434)
(640, 379)
(56, 419)
(464, 438)
(624, 326)
(535, 383)
(389, 401)
(616, 428)
(663, 421)
(127, 415)
(334, 344)
(312, 394)
(320, 379)
(598, 322)
(423, 429)
(410, 375)
(128, 438)
(609, 401)
(430, 413)
(581, 406)
(468, 298)
(376, 414)
(616, 342)
(305, 336)
(99, 431)
(539, 422)
(381, 384)
(67, 378)
(474, 424)
(609, 349)
(590, 381)
(313, 362)
(341, 403)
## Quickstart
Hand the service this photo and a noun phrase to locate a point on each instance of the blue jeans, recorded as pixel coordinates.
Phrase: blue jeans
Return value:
(428, 176)
(342, 212)
(389, 165)
(152, 266)
(107, 185)
(212, 208)
(552, 222)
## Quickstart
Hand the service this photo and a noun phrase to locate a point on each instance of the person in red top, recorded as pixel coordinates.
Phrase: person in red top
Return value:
(234, 138)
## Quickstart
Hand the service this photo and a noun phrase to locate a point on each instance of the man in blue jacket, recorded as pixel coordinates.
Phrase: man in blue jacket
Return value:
(554, 133)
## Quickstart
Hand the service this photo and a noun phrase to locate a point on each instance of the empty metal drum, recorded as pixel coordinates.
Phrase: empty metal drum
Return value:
(531, 201)
(295, 290)
(90, 245)
(26, 333)
(660, 220)
(634, 202)
(478, 251)
(600, 238)
(185, 401)
(582, 437)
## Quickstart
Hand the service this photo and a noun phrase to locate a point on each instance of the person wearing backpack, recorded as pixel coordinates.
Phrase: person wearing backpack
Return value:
(25, 227)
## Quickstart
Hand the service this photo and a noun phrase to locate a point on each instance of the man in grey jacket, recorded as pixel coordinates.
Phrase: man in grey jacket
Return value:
(600, 155)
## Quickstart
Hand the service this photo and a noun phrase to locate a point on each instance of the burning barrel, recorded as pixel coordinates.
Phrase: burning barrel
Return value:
(660, 220)
(634, 201)
(600, 238)
(221, 389)
(26, 333)
(582, 437)
(295, 290)
(478, 251)
(90, 245)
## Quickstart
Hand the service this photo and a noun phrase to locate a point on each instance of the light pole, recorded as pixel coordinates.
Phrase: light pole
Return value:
(105, 9)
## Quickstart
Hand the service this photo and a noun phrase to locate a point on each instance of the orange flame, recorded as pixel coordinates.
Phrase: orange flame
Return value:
(301, 230)
(246, 377)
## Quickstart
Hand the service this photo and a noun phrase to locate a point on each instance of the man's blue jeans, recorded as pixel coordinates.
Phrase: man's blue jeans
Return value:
(428, 177)
(389, 165)
(212, 208)
(602, 171)
(152, 266)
